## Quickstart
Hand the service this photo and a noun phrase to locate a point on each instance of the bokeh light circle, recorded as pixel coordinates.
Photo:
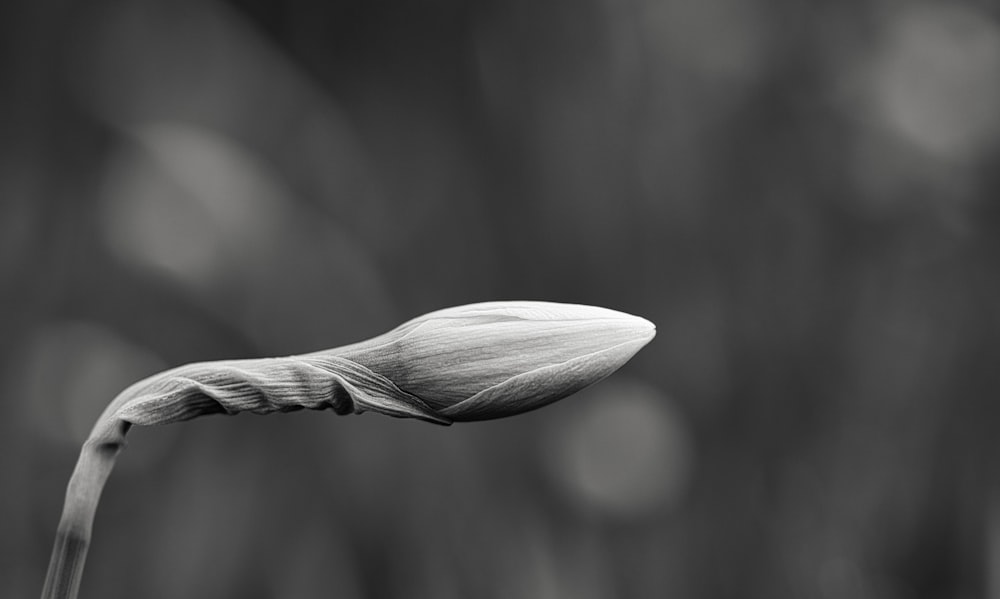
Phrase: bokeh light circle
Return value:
(624, 450)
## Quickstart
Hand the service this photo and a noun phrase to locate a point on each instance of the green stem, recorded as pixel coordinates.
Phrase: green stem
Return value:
(73, 536)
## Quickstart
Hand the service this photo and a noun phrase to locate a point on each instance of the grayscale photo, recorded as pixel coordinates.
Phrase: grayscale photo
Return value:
(603, 299)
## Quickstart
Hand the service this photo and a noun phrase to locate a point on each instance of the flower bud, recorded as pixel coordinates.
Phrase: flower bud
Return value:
(473, 362)
(497, 359)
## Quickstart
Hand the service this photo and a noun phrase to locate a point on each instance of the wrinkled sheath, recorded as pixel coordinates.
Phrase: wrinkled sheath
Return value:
(263, 386)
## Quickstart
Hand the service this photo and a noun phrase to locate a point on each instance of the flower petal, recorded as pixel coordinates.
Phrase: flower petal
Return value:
(543, 386)
(448, 356)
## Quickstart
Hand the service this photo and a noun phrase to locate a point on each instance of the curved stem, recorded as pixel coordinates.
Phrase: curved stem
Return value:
(262, 386)
(73, 535)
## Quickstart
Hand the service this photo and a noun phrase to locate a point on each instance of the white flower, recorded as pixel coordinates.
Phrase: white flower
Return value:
(468, 363)
(473, 362)
(497, 359)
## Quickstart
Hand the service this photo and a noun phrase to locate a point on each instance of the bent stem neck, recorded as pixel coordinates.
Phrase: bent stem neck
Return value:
(97, 458)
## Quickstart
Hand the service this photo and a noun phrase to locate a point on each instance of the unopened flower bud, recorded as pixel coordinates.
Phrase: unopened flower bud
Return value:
(473, 362)
(498, 359)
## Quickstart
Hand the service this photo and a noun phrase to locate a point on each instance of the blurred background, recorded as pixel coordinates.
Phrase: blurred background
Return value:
(802, 196)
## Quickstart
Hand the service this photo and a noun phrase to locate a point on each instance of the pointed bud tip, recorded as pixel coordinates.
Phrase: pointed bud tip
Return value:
(643, 328)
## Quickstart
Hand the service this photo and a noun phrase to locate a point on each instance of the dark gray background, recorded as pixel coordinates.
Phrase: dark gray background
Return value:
(802, 196)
